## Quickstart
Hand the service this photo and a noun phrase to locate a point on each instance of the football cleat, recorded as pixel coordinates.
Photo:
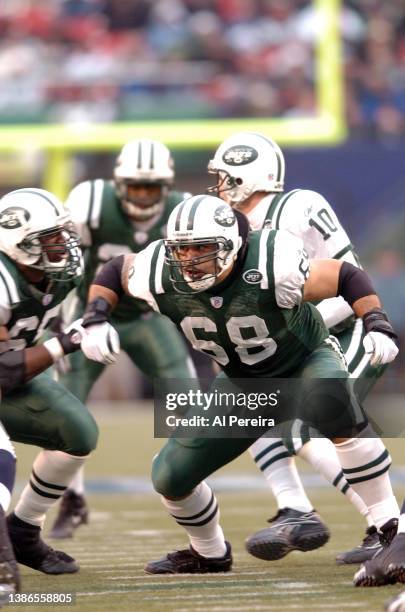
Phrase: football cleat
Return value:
(31, 550)
(188, 561)
(73, 512)
(369, 547)
(9, 574)
(290, 530)
(388, 566)
(396, 604)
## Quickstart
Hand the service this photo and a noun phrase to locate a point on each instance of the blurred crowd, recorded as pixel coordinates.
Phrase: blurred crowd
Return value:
(106, 60)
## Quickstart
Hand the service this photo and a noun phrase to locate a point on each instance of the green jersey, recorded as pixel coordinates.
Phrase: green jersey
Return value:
(25, 310)
(254, 324)
(106, 232)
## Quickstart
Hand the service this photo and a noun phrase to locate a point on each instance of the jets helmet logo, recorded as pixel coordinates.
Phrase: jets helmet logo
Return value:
(224, 216)
(252, 276)
(14, 217)
(239, 155)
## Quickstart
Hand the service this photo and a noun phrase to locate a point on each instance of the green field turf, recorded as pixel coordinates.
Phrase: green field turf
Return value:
(128, 529)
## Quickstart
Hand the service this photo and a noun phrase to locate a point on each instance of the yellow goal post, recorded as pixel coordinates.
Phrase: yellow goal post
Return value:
(327, 127)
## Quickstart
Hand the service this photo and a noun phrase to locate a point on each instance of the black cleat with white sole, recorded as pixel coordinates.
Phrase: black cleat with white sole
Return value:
(290, 530)
(388, 566)
(369, 547)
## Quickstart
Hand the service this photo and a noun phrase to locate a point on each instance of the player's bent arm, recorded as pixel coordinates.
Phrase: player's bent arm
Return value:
(328, 278)
(17, 367)
(112, 280)
(323, 280)
(99, 340)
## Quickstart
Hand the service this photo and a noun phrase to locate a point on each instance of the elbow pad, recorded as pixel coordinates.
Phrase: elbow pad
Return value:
(110, 276)
(354, 283)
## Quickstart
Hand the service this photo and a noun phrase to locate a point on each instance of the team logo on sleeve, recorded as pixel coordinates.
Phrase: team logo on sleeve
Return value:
(253, 277)
(224, 216)
(239, 155)
(14, 217)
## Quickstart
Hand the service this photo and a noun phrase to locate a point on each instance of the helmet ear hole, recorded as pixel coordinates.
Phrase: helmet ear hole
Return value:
(238, 181)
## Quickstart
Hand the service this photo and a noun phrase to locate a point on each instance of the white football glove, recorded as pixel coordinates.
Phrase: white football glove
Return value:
(380, 347)
(77, 327)
(100, 342)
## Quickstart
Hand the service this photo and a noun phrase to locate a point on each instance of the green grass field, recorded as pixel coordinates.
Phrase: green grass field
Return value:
(128, 529)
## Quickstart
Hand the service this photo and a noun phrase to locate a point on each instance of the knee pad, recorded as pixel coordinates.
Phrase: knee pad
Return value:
(85, 438)
(168, 477)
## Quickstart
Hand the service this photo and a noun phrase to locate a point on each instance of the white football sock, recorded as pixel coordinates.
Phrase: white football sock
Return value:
(365, 463)
(199, 515)
(321, 454)
(51, 473)
(279, 469)
(77, 482)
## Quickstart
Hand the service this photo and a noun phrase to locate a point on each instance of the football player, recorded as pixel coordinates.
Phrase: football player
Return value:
(114, 217)
(201, 277)
(16, 368)
(250, 173)
(40, 263)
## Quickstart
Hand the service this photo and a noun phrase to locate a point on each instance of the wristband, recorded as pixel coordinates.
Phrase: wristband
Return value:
(377, 320)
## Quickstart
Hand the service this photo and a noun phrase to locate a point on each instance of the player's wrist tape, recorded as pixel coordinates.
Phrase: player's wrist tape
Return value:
(97, 311)
(55, 348)
(354, 283)
(376, 320)
(110, 275)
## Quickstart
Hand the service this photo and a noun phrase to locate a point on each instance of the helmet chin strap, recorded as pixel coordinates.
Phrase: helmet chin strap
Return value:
(203, 283)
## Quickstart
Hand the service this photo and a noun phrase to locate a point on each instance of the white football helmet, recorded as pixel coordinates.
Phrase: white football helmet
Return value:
(245, 163)
(147, 162)
(199, 221)
(36, 231)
